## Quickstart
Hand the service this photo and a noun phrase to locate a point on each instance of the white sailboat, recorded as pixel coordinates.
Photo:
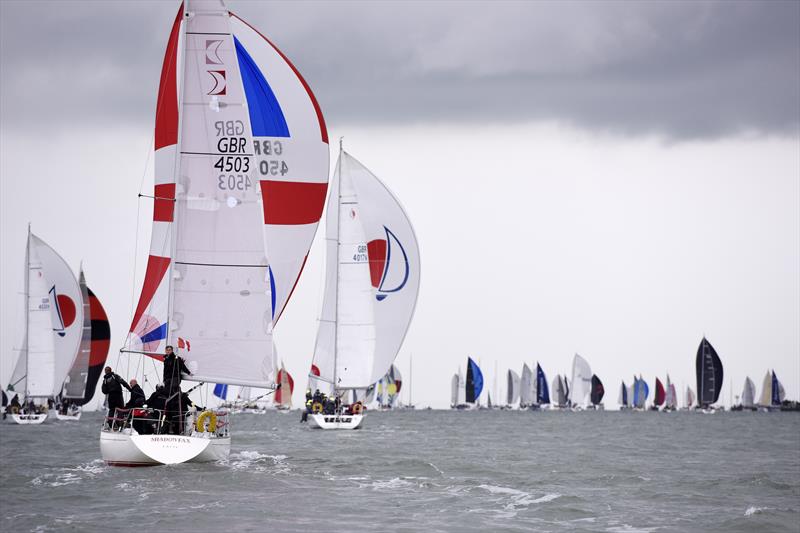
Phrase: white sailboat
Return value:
(54, 319)
(241, 171)
(527, 387)
(371, 283)
(581, 383)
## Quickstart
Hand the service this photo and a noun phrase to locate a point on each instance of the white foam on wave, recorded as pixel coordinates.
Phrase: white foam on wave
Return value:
(391, 484)
(517, 499)
(626, 528)
(71, 476)
(754, 510)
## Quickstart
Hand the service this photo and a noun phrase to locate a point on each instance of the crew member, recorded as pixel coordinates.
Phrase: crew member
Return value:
(112, 386)
(137, 396)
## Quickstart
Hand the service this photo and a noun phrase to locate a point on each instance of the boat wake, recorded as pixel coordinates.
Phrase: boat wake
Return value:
(258, 462)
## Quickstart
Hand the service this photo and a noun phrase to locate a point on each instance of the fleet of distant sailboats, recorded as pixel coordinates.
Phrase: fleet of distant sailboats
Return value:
(585, 390)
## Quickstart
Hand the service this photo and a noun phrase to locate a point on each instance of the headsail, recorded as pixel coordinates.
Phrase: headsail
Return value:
(372, 278)
(622, 400)
(513, 390)
(283, 396)
(240, 159)
(708, 367)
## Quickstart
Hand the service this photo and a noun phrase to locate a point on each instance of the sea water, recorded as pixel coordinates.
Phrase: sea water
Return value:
(423, 471)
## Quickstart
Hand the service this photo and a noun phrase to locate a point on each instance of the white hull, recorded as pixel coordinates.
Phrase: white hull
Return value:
(336, 421)
(74, 417)
(26, 419)
(127, 448)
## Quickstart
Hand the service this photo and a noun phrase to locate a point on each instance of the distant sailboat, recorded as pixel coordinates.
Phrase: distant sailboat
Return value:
(474, 384)
(54, 321)
(458, 391)
(598, 391)
(581, 383)
(748, 396)
(640, 393)
(527, 388)
(660, 395)
(542, 391)
(671, 400)
(772, 393)
(689, 399)
(708, 367)
(622, 399)
(283, 395)
(371, 286)
(559, 392)
(513, 388)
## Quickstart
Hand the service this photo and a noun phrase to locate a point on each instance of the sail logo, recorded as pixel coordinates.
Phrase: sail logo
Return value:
(212, 52)
(220, 83)
(65, 311)
(150, 332)
(388, 265)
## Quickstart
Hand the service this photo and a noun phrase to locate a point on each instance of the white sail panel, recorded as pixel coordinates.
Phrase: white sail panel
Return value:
(526, 384)
(462, 388)
(766, 390)
(41, 349)
(581, 384)
(454, 390)
(748, 393)
(66, 307)
(513, 388)
(75, 387)
(220, 290)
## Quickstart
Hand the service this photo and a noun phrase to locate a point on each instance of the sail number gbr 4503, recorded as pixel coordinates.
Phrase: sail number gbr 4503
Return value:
(239, 161)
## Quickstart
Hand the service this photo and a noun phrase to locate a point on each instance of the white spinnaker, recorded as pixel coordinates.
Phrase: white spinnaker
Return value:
(748, 393)
(220, 286)
(293, 163)
(513, 388)
(766, 390)
(40, 345)
(66, 306)
(526, 393)
(371, 282)
(581, 384)
(75, 387)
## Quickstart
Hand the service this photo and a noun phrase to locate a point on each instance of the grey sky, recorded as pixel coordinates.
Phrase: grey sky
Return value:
(616, 179)
(677, 69)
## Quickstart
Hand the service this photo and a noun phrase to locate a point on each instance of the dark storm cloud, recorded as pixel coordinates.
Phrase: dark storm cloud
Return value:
(678, 69)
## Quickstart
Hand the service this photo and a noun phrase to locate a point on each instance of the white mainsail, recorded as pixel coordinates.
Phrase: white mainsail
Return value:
(527, 394)
(689, 397)
(34, 373)
(581, 383)
(371, 282)
(748, 393)
(241, 163)
(766, 390)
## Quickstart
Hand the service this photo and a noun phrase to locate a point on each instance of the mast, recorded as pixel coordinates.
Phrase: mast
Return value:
(27, 308)
(173, 228)
(338, 246)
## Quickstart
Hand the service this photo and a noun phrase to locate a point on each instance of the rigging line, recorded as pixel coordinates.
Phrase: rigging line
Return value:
(157, 197)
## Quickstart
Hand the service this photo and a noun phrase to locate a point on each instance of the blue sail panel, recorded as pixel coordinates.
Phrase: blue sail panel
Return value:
(543, 392)
(776, 393)
(221, 391)
(474, 381)
(266, 115)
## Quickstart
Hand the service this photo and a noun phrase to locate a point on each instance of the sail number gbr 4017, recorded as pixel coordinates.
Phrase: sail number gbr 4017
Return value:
(239, 161)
